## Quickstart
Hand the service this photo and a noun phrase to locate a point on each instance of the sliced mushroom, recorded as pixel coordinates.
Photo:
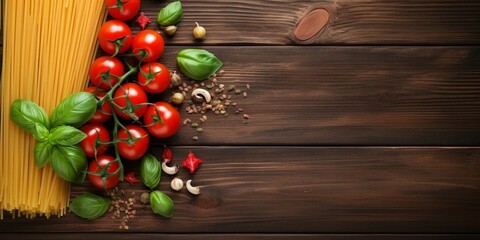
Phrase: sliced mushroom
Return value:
(169, 170)
(176, 184)
(200, 95)
(191, 189)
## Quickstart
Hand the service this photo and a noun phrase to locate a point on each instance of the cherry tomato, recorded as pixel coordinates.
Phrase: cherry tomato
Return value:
(113, 33)
(154, 77)
(104, 113)
(104, 66)
(149, 41)
(169, 123)
(95, 169)
(93, 132)
(138, 148)
(127, 11)
(137, 97)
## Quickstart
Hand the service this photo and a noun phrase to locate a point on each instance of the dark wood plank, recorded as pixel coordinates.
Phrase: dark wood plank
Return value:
(306, 190)
(122, 236)
(350, 22)
(345, 96)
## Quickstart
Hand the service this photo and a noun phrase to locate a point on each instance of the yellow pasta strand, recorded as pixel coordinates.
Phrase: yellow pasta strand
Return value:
(48, 48)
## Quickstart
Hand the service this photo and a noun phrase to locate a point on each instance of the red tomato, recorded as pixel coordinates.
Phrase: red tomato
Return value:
(149, 41)
(154, 77)
(103, 65)
(113, 33)
(104, 113)
(138, 99)
(170, 120)
(138, 148)
(125, 12)
(93, 132)
(96, 167)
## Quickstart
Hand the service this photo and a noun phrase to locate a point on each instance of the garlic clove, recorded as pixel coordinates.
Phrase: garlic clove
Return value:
(191, 189)
(176, 184)
(169, 170)
(199, 32)
(170, 30)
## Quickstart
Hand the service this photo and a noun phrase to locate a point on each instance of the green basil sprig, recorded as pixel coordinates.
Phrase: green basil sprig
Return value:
(198, 64)
(75, 110)
(69, 163)
(41, 133)
(150, 171)
(57, 146)
(42, 153)
(161, 204)
(26, 114)
(66, 136)
(170, 14)
(89, 206)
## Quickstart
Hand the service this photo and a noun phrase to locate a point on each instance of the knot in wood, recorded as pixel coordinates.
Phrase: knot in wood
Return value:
(311, 24)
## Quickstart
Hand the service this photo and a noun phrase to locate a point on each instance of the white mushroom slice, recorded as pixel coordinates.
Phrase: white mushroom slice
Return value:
(200, 94)
(191, 189)
(169, 170)
(176, 184)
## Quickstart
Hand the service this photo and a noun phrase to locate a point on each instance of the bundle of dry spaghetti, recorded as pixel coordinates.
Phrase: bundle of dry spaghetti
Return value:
(48, 48)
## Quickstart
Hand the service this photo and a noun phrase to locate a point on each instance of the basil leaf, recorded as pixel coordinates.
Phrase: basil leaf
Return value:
(150, 171)
(198, 64)
(161, 204)
(26, 114)
(75, 110)
(41, 133)
(69, 162)
(42, 153)
(89, 206)
(171, 14)
(66, 135)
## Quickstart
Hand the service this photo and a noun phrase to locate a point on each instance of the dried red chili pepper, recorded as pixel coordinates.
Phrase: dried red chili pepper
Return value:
(143, 20)
(167, 154)
(191, 162)
(131, 178)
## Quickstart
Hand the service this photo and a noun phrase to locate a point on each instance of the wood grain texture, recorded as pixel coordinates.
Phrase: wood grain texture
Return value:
(306, 190)
(345, 96)
(380, 73)
(379, 22)
(125, 236)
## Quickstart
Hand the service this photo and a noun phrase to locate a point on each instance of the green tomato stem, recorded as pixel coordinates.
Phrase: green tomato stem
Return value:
(109, 97)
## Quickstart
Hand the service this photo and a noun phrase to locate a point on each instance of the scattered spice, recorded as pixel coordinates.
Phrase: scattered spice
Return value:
(142, 20)
(222, 99)
(191, 162)
(122, 207)
(187, 121)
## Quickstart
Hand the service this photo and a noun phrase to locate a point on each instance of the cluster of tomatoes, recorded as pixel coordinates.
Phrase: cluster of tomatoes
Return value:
(128, 101)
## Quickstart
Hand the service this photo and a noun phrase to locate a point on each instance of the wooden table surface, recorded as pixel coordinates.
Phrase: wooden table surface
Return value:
(368, 129)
